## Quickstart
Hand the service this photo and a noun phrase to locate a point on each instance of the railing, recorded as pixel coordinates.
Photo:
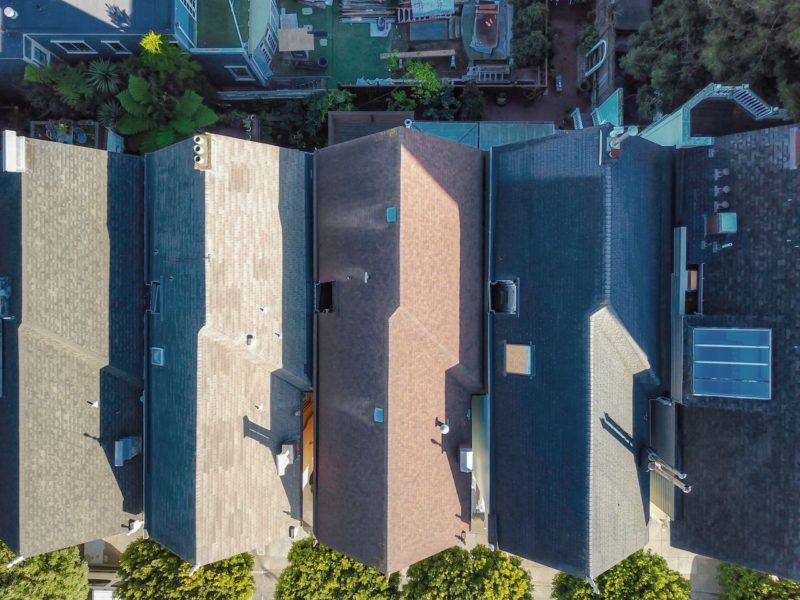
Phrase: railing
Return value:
(749, 101)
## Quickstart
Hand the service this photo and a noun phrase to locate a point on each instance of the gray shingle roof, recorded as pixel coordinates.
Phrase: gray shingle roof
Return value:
(742, 456)
(233, 261)
(565, 488)
(76, 222)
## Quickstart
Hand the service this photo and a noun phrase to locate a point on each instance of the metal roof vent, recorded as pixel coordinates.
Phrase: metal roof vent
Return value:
(202, 152)
(503, 297)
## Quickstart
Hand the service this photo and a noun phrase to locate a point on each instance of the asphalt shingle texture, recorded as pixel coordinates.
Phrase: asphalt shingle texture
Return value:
(78, 226)
(742, 456)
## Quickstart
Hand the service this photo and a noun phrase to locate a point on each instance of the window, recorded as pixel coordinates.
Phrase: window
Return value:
(272, 42)
(391, 214)
(377, 415)
(116, 46)
(35, 53)
(191, 7)
(241, 73)
(519, 359)
(74, 46)
(157, 356)
(155, 297)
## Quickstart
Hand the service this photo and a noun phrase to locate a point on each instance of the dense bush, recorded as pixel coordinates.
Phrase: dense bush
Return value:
(320, 573)
(740, 583)
(530, 45)
(148, 571)
(641, 576)
(61, 574)
(480, 574)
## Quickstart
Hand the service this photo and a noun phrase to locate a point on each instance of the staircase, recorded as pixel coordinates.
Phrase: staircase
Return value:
(747, 99)
(405, 15)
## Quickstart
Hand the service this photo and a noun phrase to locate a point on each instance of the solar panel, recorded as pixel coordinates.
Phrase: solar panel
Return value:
(732, 363)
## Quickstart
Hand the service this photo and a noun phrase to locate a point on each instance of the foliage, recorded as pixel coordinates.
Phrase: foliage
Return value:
(531, 49)
(757, 42)
(152, 43)
(740, 583)
(334, 100)
(150, 571)
(61, 574)
(687, 44)
(400, 100)
(641, 576)
(587, 37)
(426, 84)
(666, 55)
(530, 18)
(104, 75)
(71, 84)
(480, 574)
(159, 103)
(321, 573)
(473, 103)
(109, 113)
(530, 44)
(442, 107)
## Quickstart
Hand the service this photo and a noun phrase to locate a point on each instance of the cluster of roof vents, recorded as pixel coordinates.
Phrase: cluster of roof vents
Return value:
(731, 363)
(503, 297)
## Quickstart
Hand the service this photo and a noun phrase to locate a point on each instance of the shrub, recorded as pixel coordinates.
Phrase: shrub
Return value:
(148, 571)
(641, 576)
(740, 583)
(321, 573)
(61, 574)
(480, 574)
(531, 50)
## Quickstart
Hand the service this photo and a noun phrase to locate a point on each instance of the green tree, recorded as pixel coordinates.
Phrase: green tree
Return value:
(320, 573)
(641, 576)
(148, 571)
(530, 50)
(740, 583)
(473, 103)
(756, 42)
(62, 574)
(530, 18)
(160, 103)
(425, 81)
(480, 574)
(666, 55)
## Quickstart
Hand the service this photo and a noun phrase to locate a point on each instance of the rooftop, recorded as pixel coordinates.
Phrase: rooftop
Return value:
(400, 351)
(71, 242)
(234, 326)
(742, 455)
(568, 423)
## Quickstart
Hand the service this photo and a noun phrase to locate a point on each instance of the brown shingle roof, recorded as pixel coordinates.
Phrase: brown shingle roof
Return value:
(405, 336)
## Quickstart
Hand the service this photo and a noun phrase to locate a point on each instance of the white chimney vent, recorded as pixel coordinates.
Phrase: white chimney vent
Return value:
(13, 152)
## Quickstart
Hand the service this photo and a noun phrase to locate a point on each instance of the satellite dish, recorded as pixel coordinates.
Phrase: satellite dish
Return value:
(10, 13)
(444, 428)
